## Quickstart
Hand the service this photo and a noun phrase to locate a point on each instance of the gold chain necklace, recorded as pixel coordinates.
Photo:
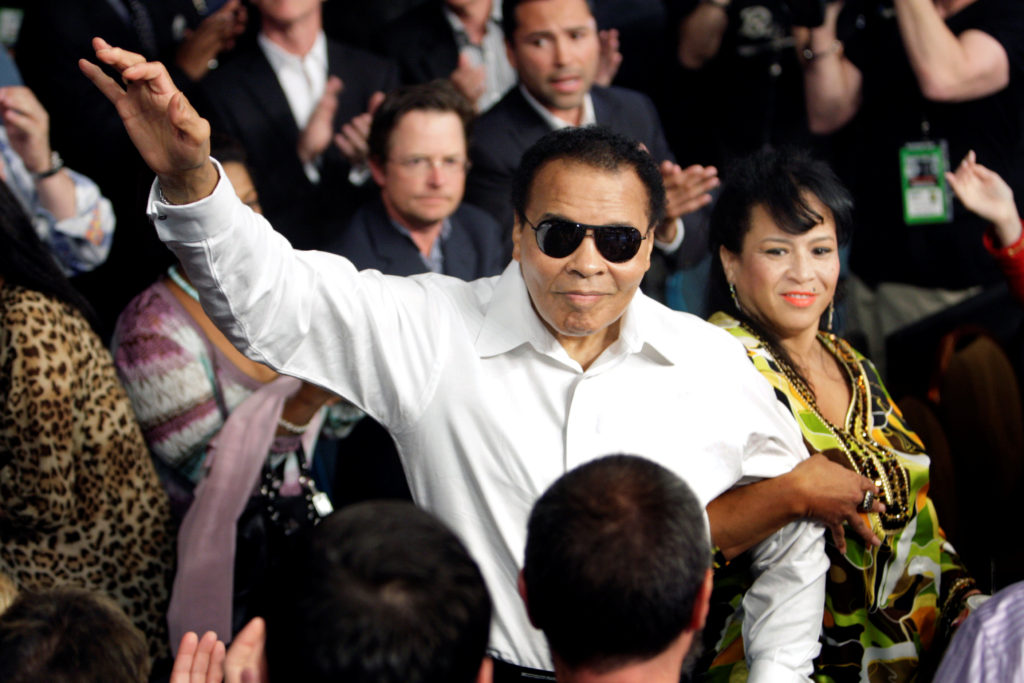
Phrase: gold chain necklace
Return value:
(865, 455)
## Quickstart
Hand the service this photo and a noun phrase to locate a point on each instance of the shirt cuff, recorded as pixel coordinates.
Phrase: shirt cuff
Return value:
(193, 222)
(766, 671)
(358, 175)
(671, 247)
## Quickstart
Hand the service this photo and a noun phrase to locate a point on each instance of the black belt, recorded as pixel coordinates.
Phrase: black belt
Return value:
(513, 673)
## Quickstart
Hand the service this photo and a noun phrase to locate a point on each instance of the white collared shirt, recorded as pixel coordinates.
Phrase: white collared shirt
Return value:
(488, 409)
(303, 80)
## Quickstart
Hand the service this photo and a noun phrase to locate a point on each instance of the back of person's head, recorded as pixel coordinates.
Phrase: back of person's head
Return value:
(385, 594)
(616, 556)
(435, 96)
(26, 261)
(595, 147)
(70, 635)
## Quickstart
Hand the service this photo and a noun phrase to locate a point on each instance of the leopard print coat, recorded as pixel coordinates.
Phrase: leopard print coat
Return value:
(80, 503)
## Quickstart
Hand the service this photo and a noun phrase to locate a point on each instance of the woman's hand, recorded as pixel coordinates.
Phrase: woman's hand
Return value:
(832, 494)
(985, 193)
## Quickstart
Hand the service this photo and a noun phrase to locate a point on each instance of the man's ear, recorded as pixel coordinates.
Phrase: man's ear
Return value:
(377, 171)
(521, 583)
(702, 602)
(517, 238)
(486, 672)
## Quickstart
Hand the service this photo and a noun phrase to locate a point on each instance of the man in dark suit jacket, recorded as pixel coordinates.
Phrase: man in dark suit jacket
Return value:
(417, 145)
(555, 49)
(306, 199)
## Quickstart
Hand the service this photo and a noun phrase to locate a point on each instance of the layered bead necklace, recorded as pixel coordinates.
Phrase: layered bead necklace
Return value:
(867, 457)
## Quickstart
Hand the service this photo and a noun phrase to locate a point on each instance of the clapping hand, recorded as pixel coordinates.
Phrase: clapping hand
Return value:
(354, 135)
(28, 126)
(199, 660)
(319, 131)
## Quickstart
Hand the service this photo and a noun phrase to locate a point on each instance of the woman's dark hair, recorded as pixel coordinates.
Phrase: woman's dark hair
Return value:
(25, 260)
(778, 180)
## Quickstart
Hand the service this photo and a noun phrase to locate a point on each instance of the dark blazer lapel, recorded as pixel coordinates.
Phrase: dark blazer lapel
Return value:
(524, 126)
(261, 81)
(460, 252)
(396, 253)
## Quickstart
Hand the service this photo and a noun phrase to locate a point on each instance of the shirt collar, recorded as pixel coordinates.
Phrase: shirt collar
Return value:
(511, 321)
(493, 22)
(279, 57)
(553, 121)
(435, 260)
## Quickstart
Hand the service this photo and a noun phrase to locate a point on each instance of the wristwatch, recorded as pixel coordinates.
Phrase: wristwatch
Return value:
(56, 164)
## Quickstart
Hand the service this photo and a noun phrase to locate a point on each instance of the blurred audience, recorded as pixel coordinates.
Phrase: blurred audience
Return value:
(617, 572)
(70, 635)
(456, 39)
(743, 76)
(54, 35)
(69, 214)
(555, 49)
(301, 105)
(923, 81)
(80, 502)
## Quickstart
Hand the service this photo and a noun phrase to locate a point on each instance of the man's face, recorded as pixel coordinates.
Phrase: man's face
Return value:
(286, 12)
(424, 176)
(555, 50)
(582, 294)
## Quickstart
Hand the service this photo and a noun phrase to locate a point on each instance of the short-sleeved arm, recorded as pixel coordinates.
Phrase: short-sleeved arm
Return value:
(373, 339)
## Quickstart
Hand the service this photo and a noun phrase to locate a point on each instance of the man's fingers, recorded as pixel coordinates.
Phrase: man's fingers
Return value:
(187, 120)
(114, 56)
(215, 673)
(375, 101)
(858, 524)
(107, 85)
(334, 85)
(838, 536)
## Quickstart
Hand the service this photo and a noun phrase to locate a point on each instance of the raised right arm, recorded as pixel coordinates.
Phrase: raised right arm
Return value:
(832, 84)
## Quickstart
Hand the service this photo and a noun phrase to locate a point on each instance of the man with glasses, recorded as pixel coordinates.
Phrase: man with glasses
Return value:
(418, 224)
(494, 388)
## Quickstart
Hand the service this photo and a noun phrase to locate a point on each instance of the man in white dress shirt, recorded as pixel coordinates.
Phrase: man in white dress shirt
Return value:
(493, 389)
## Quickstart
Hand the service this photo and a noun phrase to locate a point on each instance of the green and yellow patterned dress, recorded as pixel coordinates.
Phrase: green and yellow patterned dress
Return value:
(885, 606)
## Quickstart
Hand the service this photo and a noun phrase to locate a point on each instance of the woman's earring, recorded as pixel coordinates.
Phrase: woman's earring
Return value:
(735, 299)
(831, 312)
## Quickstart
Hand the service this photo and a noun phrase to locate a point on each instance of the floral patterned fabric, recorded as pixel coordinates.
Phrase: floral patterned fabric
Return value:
(886, 606)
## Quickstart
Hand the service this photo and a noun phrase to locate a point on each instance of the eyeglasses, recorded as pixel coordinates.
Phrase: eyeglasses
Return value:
(421, 165)
(558, 237)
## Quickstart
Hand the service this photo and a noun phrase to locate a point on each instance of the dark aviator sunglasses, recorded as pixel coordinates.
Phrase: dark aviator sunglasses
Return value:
(559, 237)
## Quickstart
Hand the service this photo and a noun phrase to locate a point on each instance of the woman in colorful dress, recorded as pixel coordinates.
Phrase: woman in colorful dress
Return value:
(896, 587)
